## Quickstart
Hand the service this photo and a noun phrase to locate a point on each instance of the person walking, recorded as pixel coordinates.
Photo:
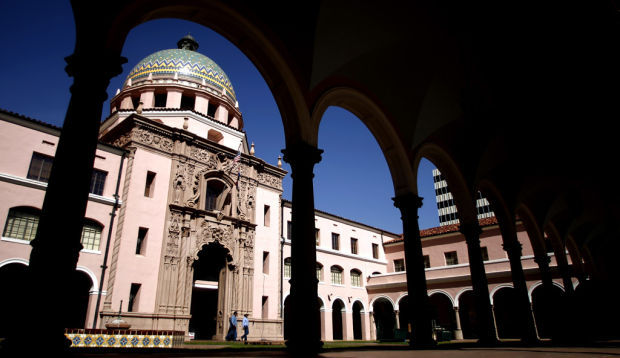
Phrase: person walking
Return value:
(232, 329)
(246, 328)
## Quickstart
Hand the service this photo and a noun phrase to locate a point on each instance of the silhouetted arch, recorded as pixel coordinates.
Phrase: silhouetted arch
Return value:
(507, 318)
(468, 315)
(385, 319)
(338, 308)
(442, 310)
(13, 279)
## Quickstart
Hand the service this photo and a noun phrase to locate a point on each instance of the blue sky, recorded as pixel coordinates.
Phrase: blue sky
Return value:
(352, 180)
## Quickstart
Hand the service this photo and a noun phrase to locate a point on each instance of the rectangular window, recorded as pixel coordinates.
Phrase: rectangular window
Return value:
(22, 223)
(141, 242)
(354, 246)
(160, 99)
(265, 309)
(149, 186)
(97, 181)
(266, 262)
(134, 296)
(317, 236)
(289, 230)
(40, 167)
(287, 267)
(267, 216)
(451, 258)
(375, 251)
(399, 265)
(335, 241)
(485, 253)
(427, 261)
(319, 272)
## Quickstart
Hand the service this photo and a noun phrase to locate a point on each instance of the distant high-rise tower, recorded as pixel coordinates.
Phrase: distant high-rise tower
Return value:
(446, 208)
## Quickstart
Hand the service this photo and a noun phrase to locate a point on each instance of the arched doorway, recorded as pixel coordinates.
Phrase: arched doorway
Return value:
(442, 312)
(385, 318)
(357, 319)
(507, 320)
(287, 317)
(79, 296)
(338, 309)
(544, 305)
(205, 306)
(404, 314)
(12, 279)
(467, 314)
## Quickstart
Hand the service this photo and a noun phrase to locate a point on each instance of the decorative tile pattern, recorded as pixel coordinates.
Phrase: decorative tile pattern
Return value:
(185, 63)
(124, 339)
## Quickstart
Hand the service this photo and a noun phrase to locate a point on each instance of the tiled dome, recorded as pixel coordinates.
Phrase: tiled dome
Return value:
(187, 64)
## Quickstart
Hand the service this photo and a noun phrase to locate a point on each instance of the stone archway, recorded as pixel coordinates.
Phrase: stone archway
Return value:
(338, 323)
(544, 305)
(507, 318)
(385, 318)
(468, 316)
(357, 320)
(12, 278)
(442, 311)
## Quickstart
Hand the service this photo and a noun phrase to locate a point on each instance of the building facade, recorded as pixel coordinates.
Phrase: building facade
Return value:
(185, 226)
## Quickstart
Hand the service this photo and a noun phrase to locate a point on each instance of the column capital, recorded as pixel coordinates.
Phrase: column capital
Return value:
(92, 72)
(302, 152)
(543, 259)
(513, 247)
(407, 201)
(471, 231)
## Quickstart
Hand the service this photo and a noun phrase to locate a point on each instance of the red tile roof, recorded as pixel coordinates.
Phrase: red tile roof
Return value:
(446, 229)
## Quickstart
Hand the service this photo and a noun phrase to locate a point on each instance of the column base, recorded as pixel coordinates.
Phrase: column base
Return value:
(458, 334)
(488, 341)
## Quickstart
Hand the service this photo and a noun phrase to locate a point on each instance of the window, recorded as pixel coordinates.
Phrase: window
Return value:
(40, 167)
(375, 251)
(317, 236)
(336, 275)
(427, 261)
(160, 99)
(265, 309)
(215, 188)
(289, 230)
(97, 181)
(266, 262)
(354, 246)
(149, 185)
(399, 265)
(451, 258)
(356, 278)
(91, 235)
(22, 223)
(141, 242)
(287, 267)
(134, 295)
(319, 272)
(335, 241)
(267, 216)
(188, 102)
(485, 253)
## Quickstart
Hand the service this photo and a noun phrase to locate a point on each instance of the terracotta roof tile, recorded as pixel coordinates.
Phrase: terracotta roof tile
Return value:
(447, 229)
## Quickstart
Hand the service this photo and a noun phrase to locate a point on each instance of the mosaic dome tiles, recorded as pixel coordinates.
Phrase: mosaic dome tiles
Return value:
(186, 63)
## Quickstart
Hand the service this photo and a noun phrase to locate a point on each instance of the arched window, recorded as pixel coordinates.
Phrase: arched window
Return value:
(287, 267)
(336, 272)
(319, 272)
(216, 195)
(356, 278)
(22, 223)
(91, 235)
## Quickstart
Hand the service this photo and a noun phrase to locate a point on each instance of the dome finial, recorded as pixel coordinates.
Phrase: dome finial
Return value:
(187, 43)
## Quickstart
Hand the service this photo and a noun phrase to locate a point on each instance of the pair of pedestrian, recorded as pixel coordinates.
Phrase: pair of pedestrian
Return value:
(232, 329)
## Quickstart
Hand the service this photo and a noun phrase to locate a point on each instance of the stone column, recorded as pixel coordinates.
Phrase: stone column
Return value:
(458, 331)
(514, 250)
(485, 324)
(419, 317)
(548, 309)
(304, 284)
(57, 245)
(397, 313)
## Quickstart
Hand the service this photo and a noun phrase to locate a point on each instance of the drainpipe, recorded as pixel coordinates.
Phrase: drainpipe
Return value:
(107, 245)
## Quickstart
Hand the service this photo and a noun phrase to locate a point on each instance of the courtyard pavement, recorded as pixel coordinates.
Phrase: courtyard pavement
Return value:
(452, 350)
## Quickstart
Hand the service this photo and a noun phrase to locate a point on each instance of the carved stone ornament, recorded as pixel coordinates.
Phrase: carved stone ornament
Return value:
(270, 180)
(146, 137)
(199, 154)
